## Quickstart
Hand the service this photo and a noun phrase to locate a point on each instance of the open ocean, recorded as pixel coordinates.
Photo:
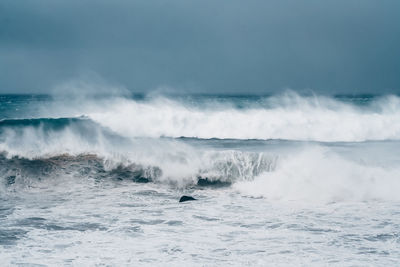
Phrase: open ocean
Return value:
(279, 180)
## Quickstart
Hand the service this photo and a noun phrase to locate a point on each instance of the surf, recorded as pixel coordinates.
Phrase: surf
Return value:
(286, 117)
(285, 147)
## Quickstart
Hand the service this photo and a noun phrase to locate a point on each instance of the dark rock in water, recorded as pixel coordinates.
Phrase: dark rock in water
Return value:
(216, 183)
(186, 198)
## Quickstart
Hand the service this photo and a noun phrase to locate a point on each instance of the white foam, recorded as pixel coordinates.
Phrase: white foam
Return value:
(289, 116)
(318, 175)
(179, 163)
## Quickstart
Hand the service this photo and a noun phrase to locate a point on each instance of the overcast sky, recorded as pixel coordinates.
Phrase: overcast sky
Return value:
(210, 46)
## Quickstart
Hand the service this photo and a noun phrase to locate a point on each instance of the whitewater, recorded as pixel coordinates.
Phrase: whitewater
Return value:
(280, 180)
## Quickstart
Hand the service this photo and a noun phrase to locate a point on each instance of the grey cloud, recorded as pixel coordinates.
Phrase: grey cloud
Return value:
(227, 46)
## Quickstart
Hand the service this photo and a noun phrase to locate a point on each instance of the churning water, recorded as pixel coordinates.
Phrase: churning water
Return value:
(279, 180)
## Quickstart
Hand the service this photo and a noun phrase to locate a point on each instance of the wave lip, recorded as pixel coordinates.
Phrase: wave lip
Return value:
(213, 169)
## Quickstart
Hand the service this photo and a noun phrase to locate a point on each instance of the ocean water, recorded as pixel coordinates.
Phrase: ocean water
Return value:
(289, 179)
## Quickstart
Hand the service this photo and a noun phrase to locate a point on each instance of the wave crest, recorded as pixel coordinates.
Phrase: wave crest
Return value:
(289, 117)
(212, 168)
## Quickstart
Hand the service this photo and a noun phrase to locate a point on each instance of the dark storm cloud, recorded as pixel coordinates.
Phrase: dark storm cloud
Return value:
(202, 46)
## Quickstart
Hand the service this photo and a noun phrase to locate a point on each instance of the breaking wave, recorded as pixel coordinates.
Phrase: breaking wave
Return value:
(211, 169)
(317, 174)
(285, 117)
(45, 147)
(288, 117)
(310, 174)
(120, 139)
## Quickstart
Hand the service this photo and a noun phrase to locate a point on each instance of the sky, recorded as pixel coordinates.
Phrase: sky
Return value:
(207, 46)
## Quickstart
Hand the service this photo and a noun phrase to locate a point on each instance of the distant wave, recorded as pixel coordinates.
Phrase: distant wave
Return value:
(288, 117)
(284, 117)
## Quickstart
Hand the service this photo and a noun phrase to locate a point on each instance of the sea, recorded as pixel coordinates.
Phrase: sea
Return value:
(283, 179)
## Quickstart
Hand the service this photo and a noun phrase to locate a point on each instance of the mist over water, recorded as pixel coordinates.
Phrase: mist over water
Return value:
(300, 169)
